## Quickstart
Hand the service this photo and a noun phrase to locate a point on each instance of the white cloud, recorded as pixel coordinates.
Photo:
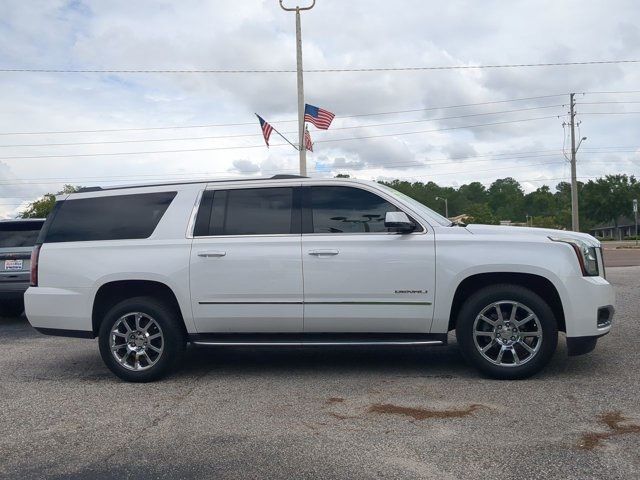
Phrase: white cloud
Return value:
(256, 34)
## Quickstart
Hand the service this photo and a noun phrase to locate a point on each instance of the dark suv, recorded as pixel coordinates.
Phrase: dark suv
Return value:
(17, 238)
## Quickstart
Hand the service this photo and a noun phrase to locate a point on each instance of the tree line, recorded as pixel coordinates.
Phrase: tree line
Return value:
(604, 199)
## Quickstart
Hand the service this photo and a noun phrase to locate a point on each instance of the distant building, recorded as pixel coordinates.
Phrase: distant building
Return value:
(461, 219)
(626, 228)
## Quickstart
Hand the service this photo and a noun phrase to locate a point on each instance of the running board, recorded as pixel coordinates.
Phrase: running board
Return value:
(316, 339)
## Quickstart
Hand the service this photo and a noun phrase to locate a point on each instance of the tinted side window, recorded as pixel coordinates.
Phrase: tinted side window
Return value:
(348, 210)
(19, 234)
(250, 211)
(108, 218)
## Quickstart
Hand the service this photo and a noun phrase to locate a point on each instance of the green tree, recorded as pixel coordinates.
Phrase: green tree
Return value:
(608, 198)
(481, 213)
(42, 207)
(506, 199)
(540, 202)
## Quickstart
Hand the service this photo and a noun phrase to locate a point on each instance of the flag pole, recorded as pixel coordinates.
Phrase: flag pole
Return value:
(285, 138)
(275, 130)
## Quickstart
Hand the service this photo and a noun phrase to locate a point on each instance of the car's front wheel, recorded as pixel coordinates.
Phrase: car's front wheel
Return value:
(141, 339)
(507, 331)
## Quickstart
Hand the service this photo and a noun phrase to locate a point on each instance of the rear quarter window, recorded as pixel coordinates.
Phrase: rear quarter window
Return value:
(116, 217)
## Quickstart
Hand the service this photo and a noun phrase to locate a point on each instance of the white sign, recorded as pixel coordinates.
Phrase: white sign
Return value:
(11, 265)
(635, 206)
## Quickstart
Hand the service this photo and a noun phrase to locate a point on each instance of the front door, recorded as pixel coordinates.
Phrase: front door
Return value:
(358, 275)
(246, 267)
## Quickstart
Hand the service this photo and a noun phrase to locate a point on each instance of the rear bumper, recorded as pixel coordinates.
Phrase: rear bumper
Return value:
(58, 332)
(66, 310)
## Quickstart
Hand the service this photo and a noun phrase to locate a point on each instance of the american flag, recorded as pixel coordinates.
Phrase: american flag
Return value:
(320, 117)
(308, 144)
(266, 129)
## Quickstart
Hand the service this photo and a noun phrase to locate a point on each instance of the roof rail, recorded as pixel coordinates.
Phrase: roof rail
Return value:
(281, 176)
(284, 176)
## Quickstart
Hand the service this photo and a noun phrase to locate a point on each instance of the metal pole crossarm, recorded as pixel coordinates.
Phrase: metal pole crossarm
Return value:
(297, 8)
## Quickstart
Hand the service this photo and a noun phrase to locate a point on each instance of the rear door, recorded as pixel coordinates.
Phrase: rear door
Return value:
(246, 267)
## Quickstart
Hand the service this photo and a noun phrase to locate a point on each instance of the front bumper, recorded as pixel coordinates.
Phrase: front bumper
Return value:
(581, 345)
(588, 306)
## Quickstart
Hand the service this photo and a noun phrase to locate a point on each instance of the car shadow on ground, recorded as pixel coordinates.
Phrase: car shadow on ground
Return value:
(429, 361)
(83, 360)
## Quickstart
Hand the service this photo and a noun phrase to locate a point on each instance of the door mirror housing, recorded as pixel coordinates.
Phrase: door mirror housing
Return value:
(399, 221)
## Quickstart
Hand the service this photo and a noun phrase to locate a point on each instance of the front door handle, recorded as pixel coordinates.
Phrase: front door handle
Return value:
(212, 254)
(319, 253)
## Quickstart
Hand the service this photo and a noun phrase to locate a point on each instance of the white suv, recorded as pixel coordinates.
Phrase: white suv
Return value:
(300, 261)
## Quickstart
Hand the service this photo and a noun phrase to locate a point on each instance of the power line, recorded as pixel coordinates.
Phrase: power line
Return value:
(206, 176)
(443, 107)
(277, 144)
(608, 113)
(318, 70)
(606, 103)
(381, 164)
(431, 174)
(611, 92)
(286, 133)
(521, 99)
(435, 130)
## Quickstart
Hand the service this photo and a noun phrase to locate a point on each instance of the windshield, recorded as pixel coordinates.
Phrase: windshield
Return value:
(19, 234)
(445, 222)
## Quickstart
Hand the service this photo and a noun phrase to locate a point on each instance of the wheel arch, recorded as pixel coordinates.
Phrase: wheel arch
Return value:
(537, 283)
(114, 291)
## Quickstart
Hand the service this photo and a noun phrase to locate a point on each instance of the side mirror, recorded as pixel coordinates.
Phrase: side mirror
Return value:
(399, 222)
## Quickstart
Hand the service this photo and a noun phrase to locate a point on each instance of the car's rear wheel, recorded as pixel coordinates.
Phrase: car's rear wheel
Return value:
(11, 308)
(141, 339)
(507, 331)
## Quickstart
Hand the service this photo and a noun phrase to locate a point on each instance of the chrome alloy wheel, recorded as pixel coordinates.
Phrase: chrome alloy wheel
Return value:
(507, 333)
(136, 341)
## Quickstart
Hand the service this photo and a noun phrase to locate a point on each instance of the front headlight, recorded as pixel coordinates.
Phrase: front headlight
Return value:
(586, 253)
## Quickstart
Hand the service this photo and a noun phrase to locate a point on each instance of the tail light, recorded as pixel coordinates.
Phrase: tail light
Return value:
(35, 255)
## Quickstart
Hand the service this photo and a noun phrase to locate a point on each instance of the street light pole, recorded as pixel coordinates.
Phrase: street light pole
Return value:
(635, 213)
(301, 149)
(446, 206)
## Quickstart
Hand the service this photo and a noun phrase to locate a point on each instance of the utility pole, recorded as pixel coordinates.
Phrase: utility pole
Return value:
(575, 220)
(301, 148)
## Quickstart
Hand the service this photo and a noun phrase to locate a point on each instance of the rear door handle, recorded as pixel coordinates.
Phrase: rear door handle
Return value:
(319, 253)
(211, 254)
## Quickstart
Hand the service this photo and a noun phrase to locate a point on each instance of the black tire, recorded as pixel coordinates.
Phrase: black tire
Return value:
(173, 338)
(12, 308)
(484, 298)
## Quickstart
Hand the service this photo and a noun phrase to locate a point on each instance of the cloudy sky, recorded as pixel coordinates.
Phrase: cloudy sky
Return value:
(116, 128)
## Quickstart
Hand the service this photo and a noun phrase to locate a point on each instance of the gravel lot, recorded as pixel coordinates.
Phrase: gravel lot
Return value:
(318, 413)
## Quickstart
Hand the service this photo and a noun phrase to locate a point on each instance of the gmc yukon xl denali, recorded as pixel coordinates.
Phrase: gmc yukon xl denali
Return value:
(299, 261)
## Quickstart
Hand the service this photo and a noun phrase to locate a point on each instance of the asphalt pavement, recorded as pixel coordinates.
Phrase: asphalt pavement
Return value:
(322, 413)
(621, 254)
